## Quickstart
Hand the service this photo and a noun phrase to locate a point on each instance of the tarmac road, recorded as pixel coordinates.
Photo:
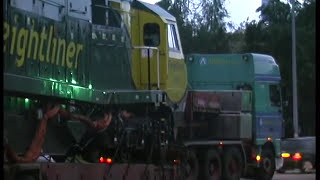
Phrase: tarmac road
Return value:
(292, 175)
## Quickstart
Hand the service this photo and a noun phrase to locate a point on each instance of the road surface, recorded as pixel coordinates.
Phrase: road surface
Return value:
(292, 175)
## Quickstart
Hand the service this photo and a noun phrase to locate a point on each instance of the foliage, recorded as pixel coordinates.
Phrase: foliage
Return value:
(272, 35)
(202, 23)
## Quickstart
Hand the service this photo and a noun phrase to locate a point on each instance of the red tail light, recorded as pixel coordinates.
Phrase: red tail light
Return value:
(101, 160)
(109, 160)
(297, 156)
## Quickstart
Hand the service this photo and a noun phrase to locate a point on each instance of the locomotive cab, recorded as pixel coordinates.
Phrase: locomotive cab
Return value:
(157, 58)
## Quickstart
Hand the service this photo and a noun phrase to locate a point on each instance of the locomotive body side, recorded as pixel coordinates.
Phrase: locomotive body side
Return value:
(77, 56)
(61, 55)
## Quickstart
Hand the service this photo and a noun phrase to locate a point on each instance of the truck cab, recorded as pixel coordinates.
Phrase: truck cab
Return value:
(236, 97)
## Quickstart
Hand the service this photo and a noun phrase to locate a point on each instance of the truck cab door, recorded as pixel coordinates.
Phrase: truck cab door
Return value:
(268, 110)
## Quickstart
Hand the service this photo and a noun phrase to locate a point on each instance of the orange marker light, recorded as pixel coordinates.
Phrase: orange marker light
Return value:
(297, 156)
(109, 160)
(269, 139)
(285, 155)
(258, 158)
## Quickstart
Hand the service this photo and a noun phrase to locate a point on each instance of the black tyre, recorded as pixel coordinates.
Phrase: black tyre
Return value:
(267, 165)
(212, 166)
(191, 166)
(232, 164)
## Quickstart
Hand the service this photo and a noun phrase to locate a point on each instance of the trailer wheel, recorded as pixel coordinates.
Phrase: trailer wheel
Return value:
(191, 166)
(212, 165)
(232, 164)
(267, 165)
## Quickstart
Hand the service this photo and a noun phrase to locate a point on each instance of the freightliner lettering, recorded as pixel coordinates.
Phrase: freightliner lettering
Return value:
(58, 51)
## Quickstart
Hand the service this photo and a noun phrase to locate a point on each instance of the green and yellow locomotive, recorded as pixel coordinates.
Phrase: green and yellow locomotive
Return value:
(91, 64)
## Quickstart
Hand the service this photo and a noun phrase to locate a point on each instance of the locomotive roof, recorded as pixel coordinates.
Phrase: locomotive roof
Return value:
(164, 15)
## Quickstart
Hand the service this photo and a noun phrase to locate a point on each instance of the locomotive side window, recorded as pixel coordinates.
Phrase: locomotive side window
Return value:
(151, 34)
(103, 15)
(172, 38)
(99, 12)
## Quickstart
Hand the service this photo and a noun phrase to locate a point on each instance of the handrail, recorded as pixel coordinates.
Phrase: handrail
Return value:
(158, 63)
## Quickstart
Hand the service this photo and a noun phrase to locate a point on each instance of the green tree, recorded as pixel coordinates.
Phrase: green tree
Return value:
(272, 35)
(201, 24)
(305, 30)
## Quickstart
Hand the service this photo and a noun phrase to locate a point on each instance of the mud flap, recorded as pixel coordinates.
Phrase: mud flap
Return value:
(279, 162)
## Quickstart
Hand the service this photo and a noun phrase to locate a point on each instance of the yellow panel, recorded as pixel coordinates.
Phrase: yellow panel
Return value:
(177, 81)
(173, 76)
(140, 63)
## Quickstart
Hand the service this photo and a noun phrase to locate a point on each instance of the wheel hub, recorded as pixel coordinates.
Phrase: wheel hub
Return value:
(267, 164)
(211, 168)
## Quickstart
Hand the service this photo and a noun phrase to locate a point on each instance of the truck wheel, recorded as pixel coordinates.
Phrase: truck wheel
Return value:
(232, 164)
(212, 166)
(267, 165)
(191, 166)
